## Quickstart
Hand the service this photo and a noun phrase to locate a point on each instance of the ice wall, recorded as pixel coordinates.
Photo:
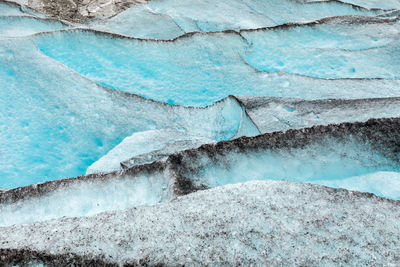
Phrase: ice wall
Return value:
(319, 155)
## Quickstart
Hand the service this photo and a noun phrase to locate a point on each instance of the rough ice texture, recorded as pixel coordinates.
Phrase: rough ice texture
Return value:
(17, 26)
(381, 183)
(81, 10)
(346, 57)
(387, 4)
(264, 222)
(156, 142)
(316, 155)
(279, 114)
(67, 122)
(321, 154)
(8, 8)
(168, 19)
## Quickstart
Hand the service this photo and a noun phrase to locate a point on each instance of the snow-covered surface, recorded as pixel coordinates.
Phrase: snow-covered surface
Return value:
(268, 222)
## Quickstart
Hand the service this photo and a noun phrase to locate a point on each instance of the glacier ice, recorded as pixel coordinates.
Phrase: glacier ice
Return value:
(171, 97)
(171, 18)
(266, 62)
(14, 9)
(291, 113)
(163, 141)
(332, 152)
(141, 22)
(261, 222)
(67, 122)
(355, 156)
(17, 26)
(371, 4)
(87, 197)
(385, 184)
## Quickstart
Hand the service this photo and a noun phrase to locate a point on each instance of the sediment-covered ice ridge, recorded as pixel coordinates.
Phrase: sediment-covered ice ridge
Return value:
(334, 155)
(259, 222)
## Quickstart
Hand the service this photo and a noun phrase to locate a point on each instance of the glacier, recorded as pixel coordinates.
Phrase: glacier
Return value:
(259, 222)
(140, 132)
(217, 62)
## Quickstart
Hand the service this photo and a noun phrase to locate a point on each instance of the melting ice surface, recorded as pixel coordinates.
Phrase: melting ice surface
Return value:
(16, 26)
(169, 19)
(203, 68)
(56, 120)
(351, 165)
(67, 122)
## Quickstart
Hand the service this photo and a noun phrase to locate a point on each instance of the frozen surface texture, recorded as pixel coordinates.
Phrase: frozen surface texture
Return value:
(340, 155)
(146, 107)
(17, 26)
(81, 10)
(154, 144)
(67, 122)
(346, 57)
(280, 114)
(264, 222)
(171, 18)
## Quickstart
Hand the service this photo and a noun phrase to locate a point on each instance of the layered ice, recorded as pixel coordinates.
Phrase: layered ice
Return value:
(371, 4)
(386, 184)
(315, 155)
(340, 48)
(307, 61)
(256, 223)
(351, 155)
(17, 26)
(55, 123)
(158, 143)
(141, 22)
(280, 114)
(89, 196)
(167, 19)
(14, 9)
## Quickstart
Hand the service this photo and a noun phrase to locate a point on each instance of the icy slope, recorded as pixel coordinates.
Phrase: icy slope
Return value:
(280, 114)
(266, 113)
(387, 4)
(17, 26)
(266, 62)
(67, 122)
(167, 19)
(334, 155)
(14, 9)
(267, 223)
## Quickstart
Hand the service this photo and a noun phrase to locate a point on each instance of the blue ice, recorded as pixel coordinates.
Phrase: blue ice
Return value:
(200, 69)
(352, 164)
(170, 18)
(55, 123)
(16, 26)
